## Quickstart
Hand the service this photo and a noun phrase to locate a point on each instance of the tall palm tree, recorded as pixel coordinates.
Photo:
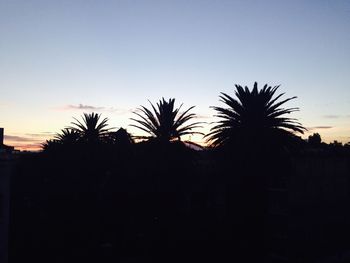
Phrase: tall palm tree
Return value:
(165, 123)
(91, 129)
(253, 116)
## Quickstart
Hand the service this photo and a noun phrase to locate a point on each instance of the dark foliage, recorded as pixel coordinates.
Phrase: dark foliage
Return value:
(166, 123)
(94, 195)
(91, 129)
(315, 139)
(254, 119)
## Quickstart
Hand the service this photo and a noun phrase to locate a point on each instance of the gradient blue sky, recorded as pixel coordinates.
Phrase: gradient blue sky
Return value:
(115, 55)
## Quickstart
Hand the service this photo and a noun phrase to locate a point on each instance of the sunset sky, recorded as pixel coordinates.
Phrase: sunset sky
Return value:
(59, 59)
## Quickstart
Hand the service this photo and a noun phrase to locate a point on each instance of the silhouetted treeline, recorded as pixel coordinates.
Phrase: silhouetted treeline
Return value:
(259, 193)
(155, 201)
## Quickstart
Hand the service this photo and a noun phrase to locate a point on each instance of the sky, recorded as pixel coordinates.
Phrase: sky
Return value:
(59, 59)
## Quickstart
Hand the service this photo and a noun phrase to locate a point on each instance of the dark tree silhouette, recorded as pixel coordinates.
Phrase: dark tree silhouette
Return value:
(251, 137)
(166, 123)
(314, 139)
(335, 143)
(91, 129)
(67, 136)
(253, 117)
(121, 138)
(50, 145)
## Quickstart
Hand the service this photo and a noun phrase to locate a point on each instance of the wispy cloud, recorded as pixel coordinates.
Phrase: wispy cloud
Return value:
(15, 138)
(336, 116)
(27, 142)
(40, 134)
(332, 116)
(319, 127)
(84, 107)
(28, 146)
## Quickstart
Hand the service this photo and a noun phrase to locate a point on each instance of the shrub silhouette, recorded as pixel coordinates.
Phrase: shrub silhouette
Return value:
(314, 139)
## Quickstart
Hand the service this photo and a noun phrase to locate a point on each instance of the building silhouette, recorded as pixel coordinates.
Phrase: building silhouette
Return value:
(6, 164)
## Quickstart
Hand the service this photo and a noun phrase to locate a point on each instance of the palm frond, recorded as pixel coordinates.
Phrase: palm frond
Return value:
(165, 122)
(91, 129)
(252, 112)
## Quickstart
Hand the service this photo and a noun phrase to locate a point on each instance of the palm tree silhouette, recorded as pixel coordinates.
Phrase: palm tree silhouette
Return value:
(166, 123)
(254, 117)
(49, 145)
(67, 136)
(91, 129)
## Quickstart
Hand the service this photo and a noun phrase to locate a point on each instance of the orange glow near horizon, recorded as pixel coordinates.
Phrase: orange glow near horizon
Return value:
(25, 143)
(30, 140)
(35, 144)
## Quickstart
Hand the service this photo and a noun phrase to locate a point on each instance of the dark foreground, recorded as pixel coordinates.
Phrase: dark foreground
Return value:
(151, 204)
